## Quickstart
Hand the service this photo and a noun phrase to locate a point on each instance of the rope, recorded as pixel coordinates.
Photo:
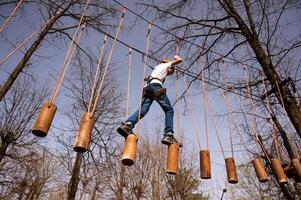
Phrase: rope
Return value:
(214, 83)
(254, 130)
(205, 107)
(68, 57)
(243, 142)
(97, 72)
(129, 84)
(229, 116)
(270, 112)
(25, 41)
(108, 62)
(189, 105)
(215, 128)
(11, 15)
(66, 63)
(144, 70)
(276, 144)
(177, 96)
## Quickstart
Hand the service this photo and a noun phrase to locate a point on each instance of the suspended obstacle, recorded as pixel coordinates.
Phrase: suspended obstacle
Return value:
(260, 171)
(46, 114)
(205, 164)
(172, 159)
(130, 149)
(44, 120)
(83, 137)
(278, 171)
(231, 170)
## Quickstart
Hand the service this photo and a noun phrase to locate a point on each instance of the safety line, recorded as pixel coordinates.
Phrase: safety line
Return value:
(192, 43)
(190, 74)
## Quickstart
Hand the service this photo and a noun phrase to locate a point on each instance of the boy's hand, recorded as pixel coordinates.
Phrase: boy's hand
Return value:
(178, 58)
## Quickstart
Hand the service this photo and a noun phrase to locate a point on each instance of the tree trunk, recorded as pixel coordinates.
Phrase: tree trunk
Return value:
(22, 64)
(73, 183)
(290, 103)
(3, 149)
(285, 139)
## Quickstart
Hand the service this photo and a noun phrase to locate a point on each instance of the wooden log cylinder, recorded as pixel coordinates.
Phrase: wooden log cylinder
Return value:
(231, 170)
(297, 165)
(205, 166)
(44, 120)
(260, 171)
(172, 159)
(84, 133)
(278, 171)
(130, 149)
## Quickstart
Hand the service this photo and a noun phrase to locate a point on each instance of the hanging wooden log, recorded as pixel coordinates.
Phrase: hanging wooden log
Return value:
(84, 133)
(129, 151)
(44, 120)
(260, 171)
(172, 159)
(231, 170)
(205, 164)
(278, 171)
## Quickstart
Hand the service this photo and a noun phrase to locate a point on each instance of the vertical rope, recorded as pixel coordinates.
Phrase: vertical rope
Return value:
(229, 116)
(177, 97)
(254, 132)
(253, 126)
(243, 142)
(276, 144)
(204, 106)
(144, 70)
(97, 72)
(215, 127)
(25, 41)
(129, 84)
(189, 105)
(11, 15)
(69, 56)
(108, 62)
(65, 65)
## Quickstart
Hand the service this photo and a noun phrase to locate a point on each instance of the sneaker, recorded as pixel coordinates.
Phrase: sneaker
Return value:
(168, 139)
(125, 129)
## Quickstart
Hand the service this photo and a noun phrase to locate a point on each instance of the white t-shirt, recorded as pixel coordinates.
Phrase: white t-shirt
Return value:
(160, 71)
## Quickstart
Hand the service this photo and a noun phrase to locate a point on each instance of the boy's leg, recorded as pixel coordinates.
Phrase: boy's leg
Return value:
(130, 123)
(169, 113)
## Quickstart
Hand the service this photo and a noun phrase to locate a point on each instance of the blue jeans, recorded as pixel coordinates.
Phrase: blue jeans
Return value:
(163, 102)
